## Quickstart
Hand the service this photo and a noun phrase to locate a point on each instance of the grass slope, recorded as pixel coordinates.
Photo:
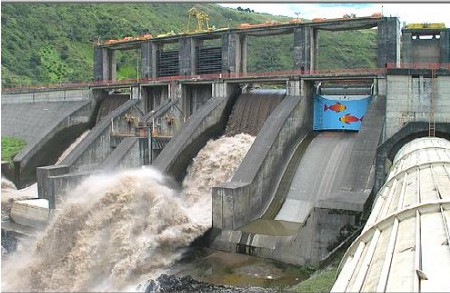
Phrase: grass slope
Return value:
(53, 42)
(10, 147)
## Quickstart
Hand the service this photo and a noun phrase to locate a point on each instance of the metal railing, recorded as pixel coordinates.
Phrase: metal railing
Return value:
(196, 77)
(418, 65)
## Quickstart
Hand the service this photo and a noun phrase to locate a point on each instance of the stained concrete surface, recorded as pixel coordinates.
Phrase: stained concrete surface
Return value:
(31, 121)
(319, 174)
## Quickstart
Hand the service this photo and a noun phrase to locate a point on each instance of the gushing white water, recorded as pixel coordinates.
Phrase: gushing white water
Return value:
(214, 164)
(118, 230)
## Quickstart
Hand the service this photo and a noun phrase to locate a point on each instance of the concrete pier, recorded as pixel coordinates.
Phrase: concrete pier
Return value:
(233, 44)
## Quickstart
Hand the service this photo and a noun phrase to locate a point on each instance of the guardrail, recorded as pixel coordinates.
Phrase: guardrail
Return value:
(418, 65)
(196, 77)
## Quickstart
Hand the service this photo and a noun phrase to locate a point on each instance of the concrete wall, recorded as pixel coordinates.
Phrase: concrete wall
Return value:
(425, 51)
(55, 181)
(51, 145)
(251, 189)
(87, 155)
(194, 96)
(389, 147)
(97, 144)
(434, 50)
(408, 99)
(309, 246)
(131, 152)
(154, 96)
(312, 242)
(32, 213)
(53, 95)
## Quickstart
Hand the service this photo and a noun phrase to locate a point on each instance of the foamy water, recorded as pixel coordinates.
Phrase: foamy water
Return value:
(118, 230)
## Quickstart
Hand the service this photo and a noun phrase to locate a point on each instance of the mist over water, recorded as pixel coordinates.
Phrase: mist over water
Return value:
(117, 230)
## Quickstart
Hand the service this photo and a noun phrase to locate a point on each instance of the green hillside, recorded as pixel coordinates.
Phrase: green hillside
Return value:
(53, 42)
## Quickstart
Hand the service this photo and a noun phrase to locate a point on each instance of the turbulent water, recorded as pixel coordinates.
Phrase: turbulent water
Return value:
(252, 110)
(118, 230)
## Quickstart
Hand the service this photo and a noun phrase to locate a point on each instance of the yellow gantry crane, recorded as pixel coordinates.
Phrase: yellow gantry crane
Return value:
(202, 19)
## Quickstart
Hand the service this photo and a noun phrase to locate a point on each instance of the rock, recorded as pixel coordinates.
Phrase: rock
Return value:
(169, 283)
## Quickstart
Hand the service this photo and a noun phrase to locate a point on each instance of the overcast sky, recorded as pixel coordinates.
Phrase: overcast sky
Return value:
(406, 12)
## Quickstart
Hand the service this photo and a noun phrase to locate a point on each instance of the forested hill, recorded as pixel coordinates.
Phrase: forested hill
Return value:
(53, 42)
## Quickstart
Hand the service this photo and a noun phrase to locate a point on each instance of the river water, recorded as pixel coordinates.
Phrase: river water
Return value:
(118, 230)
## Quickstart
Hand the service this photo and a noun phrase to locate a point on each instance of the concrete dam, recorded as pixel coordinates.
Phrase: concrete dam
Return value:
(324, 142)
(285, 157)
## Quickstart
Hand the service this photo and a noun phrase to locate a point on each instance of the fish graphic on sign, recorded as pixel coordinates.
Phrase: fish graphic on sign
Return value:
(338, 107)
(347, 118)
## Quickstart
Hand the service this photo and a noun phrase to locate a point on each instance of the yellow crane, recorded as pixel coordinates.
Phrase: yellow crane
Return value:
(202, 19)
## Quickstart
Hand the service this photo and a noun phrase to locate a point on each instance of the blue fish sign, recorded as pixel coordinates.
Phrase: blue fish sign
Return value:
(339, 114)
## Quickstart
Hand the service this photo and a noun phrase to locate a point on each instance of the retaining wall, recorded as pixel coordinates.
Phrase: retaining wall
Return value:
(131, 152)
(408, 100)
(47, 148)
(53, 181)
(96, 146)
(54, 95)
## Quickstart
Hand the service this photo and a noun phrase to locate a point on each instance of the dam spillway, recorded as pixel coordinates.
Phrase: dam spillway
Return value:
(136, 197)
(321, 184)
(248, 243)
(251, 111)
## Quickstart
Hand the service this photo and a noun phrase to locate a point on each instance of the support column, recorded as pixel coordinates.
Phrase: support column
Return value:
(232, 53)
(174, 91)
(304, 48)
(135, 93)
(104, 64)
(314, 48)
(406, 56)
(112, 65)
(98, 63)
(148, 59)
(186, 102)
(219, 89)
(388, 44)
(187, 56)
(154, 65)
(243, 49)
(293, 87)
(444, 46)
